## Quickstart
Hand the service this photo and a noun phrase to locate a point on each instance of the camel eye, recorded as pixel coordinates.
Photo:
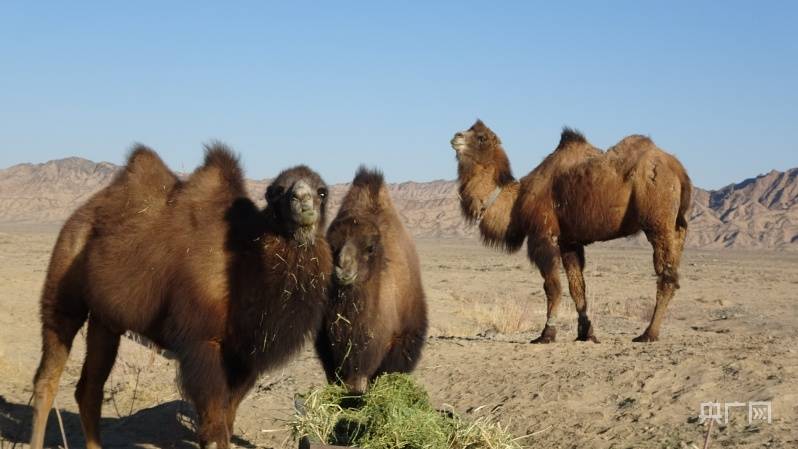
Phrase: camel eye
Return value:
(370, 249)
(322, 192)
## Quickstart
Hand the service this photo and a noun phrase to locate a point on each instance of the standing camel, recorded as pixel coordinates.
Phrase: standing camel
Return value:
(376, 320)
(578, 195)
(195, 267)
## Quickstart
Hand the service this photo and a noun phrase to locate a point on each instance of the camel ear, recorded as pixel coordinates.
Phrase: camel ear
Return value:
(273, 192)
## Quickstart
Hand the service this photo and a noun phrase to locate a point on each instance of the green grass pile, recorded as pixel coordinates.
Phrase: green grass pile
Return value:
(395, 413)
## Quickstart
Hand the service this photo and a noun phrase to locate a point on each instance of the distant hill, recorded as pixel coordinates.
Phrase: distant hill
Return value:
(760, 212)
(757, 213)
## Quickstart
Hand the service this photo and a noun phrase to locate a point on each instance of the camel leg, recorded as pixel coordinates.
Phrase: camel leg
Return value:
(324, 352)
(101, 349)
(57, 340)
(204, 381)
(237, 394)
(667, 249)
(404, 353)
(547, 257)
(573, 261)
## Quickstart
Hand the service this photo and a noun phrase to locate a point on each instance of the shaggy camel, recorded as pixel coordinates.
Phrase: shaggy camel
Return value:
(377, 318)
(197, 269)
(578, 195)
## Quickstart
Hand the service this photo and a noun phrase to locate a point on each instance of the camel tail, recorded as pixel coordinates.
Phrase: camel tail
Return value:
(685, 200)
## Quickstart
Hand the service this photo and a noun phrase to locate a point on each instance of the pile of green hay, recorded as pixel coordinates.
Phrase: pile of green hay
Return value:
(395, 413)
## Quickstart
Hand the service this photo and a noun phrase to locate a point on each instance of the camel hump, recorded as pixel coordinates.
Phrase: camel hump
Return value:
(145, 168)
(570, 136)
(220, 157)
(637, 139)
(144, 160)
(371, 179)
(141, 155)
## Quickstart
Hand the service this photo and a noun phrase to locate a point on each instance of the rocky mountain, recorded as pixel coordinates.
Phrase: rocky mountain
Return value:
(758, 213)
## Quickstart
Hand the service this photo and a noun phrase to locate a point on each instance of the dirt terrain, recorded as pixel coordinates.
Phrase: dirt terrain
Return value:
(730, 337)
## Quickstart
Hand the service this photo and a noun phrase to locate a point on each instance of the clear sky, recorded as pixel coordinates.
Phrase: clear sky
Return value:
(387, 83)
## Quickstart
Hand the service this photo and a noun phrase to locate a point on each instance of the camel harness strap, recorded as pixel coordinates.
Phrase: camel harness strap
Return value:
(489, 202)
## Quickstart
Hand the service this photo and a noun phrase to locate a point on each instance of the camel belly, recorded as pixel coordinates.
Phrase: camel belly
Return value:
(594, 204)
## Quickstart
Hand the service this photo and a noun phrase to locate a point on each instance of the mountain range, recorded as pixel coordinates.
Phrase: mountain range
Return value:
(756, 213)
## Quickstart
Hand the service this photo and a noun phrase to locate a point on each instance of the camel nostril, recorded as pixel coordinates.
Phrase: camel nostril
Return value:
(456, 135)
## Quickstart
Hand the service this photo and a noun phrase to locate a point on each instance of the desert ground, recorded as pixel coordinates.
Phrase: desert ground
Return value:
(730, 337)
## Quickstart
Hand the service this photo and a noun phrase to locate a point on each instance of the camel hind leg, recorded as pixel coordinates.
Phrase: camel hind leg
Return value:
(667, 253)
(573, 261)
(101, 348)
(58, 332)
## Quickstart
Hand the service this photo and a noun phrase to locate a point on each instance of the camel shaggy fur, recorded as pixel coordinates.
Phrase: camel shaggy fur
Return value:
(576, 196)
(377, 318)
(195, 267)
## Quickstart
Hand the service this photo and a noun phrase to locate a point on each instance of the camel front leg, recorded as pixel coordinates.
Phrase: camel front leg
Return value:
(547, 258)
(204, 381)
(238, 392)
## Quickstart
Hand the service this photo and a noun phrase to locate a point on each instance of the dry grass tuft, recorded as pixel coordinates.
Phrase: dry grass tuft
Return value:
(509, 316)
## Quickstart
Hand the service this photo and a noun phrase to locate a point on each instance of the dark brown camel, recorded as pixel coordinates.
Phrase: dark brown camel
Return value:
(377, 317)
(194, 267)
(576, 196)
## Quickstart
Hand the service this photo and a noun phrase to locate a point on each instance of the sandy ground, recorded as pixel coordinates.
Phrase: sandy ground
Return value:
(730, 337)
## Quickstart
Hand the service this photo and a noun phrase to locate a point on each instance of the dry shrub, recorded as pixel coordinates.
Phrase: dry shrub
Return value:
(508, 316)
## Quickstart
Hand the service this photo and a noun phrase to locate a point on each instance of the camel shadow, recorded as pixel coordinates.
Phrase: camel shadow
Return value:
(169, 425)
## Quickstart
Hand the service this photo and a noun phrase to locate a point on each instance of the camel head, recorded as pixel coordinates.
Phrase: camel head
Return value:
(298, 200)
(479, 146)
(357, 249)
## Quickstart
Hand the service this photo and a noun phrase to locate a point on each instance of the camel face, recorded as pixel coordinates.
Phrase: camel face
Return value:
(304, 204)
(474, 144)
(299, 198)
(356, 247)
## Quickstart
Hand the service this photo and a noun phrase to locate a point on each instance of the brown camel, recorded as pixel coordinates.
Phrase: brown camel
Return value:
(197, 269)
(377, 317)
(578, 195)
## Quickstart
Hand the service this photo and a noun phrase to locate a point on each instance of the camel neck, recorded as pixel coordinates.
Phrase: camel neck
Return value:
(478, 191)
(489, 202)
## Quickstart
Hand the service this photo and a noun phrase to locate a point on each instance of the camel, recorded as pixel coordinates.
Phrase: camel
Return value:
(578, 195)
(196, 268)
(377, 318)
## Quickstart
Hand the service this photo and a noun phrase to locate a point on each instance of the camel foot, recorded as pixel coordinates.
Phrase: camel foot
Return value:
(585, 330)
(548, 335)
(645, 338)
(591, 338)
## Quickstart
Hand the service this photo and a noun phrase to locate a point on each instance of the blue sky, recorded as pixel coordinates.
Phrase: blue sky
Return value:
(387, 83)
